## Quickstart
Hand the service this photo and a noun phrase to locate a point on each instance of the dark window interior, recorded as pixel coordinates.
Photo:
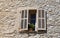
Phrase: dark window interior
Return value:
(32, 17)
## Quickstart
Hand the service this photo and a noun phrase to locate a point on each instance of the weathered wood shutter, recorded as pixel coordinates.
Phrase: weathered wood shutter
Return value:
(41, 19)
(24, 20)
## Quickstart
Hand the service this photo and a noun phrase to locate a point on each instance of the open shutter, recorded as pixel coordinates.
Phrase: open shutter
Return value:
(24, 20)
(41, 19)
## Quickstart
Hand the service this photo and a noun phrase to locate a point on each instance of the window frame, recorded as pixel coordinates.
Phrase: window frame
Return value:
(36, 27)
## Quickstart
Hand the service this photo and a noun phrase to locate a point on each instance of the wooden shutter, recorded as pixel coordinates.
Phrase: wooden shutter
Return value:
(41, 19)
(24, 20)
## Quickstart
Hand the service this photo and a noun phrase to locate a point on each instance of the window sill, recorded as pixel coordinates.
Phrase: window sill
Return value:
(35, 32)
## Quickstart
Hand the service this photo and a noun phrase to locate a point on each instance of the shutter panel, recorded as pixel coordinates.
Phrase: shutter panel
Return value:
(24, 20)
(41, 20)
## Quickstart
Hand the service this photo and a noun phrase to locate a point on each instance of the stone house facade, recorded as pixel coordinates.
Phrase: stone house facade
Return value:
(10, 17)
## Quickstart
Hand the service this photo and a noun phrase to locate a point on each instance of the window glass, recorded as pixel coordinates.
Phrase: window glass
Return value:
(39, 13)
(25, 23)
(25, 13)
(22, 13)
(42, 23)
(42, 13)
(22, 23)
(39, 23)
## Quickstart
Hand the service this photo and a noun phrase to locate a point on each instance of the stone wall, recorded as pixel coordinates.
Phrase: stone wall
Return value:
(10, 13)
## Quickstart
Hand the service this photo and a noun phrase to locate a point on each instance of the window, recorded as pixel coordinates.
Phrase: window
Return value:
(38, 18)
